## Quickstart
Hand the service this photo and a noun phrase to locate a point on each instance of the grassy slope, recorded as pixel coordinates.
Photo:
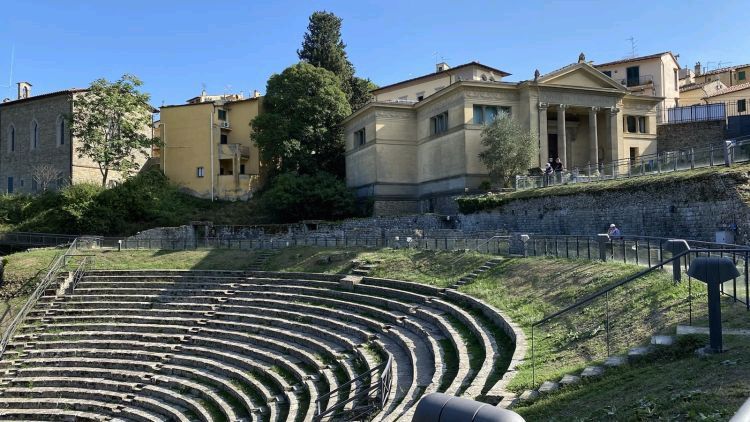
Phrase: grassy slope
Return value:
(676, 385)
(531, 288)
(488, 201)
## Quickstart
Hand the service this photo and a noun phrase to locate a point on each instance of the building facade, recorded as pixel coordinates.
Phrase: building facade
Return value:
(37, 150)
(729, 76)
(418, 144)
(206, 147)
(655, 75)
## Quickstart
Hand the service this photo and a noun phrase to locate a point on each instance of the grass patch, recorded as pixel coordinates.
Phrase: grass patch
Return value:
(675, 385)
(530, 288)
(476, 203)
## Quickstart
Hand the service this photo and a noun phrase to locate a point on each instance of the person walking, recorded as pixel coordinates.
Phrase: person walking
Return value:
(613, 231)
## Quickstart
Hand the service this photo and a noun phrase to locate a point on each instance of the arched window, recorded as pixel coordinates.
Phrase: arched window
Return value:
(11, 138)
(60, 130)
(34, 134)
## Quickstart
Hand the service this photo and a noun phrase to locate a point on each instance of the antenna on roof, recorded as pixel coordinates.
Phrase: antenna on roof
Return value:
(722, 64)
(633, 46)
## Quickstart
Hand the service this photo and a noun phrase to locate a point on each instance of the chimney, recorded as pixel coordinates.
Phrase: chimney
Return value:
(442, 66)
(24, 90)
(698, 69)
(256, 94)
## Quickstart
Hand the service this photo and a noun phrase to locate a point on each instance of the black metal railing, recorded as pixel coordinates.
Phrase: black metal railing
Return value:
(35, 239)
(715, 154)
(364, 402)
(600, 325)
(46, 281)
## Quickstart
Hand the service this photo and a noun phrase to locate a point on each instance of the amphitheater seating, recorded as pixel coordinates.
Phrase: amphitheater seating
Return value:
(241, 346)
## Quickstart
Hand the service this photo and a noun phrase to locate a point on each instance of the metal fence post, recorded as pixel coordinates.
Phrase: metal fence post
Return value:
(602, 239)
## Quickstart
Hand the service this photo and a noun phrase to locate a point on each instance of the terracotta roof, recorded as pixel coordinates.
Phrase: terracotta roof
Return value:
(692, 86)
(729, 89)
(637, 59)
(47, 95)
(723, 69)
(445, 72)
(211, 102)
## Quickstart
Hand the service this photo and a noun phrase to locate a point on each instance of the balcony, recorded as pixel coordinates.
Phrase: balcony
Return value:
(637, 82)
(229, 151)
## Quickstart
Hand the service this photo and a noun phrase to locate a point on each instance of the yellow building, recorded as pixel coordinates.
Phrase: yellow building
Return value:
(418, 143)
(735, 98)
(694, 93)
(655, 75)
(729, 76)
(206, 147)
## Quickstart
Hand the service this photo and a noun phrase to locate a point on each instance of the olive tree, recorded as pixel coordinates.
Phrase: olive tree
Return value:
(508, 151)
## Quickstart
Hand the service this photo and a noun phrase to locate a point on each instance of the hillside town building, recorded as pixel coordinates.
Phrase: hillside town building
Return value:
(206, 147)
(418, 142)
(37, 150)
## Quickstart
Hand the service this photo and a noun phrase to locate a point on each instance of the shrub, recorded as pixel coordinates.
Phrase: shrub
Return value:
(293, 197)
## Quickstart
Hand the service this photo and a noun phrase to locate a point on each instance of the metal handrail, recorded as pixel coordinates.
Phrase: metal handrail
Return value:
(383, 388)
(48, 279)
(605, 291)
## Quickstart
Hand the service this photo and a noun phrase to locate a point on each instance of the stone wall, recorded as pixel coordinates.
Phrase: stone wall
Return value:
(672, 137)
(694, 209)
(181, 234)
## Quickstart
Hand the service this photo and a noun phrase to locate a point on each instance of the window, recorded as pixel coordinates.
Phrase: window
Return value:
(224, 139)
(607, 72)
(642, 127)
(633, 155)
(33, 185)
(200, 172)
(242, 169)
(11, 138)
(485, 114)
(10, 184)
(741, 75)
(60, 130)
(359, 137)
(676, 81)
(741, 106)
(630, 123)
(222, 114)
(439, 123)
(633, 76)
(420, 96)
(34, 134)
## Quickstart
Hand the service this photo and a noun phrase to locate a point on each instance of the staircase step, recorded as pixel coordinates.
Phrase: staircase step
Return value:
(529, 395)
(614, 361)
(548, 387)
(570, 379)
(662, 340)
(592, 371)
(638, 352)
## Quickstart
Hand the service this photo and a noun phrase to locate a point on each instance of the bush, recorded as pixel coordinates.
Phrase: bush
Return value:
(293, 197)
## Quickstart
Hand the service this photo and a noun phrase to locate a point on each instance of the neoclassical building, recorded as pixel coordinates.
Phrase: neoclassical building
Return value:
(417, 144)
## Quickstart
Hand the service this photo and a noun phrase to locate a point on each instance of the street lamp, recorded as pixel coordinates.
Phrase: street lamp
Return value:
(713, 271)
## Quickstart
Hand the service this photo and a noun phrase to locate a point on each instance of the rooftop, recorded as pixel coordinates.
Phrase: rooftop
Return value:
(729, 89)
(41, 96)
(724, 69)
(444, 72)
(637, 59)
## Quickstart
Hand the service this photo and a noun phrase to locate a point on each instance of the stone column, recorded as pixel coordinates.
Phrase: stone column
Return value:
(562, 147)
(543, 137)
(614, 136)
(593, 141)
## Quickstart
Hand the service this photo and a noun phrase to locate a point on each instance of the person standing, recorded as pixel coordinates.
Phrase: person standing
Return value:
(613, 231)
(558, 167)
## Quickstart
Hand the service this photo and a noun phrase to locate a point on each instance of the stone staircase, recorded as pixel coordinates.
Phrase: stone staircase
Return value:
(239, 346)
(260, 258)
(469, 278)
(363, 268)
(594, 371)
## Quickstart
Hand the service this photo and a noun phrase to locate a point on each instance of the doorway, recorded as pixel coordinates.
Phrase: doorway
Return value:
(552, 146)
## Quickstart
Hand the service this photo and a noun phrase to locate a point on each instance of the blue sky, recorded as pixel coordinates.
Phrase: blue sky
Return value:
(176, 46)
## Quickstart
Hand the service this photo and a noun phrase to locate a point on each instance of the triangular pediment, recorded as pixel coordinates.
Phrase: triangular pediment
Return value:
(581, 75)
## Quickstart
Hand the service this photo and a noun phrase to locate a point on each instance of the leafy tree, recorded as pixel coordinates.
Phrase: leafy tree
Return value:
(294, 197)
(322, 46)
(110, 120)
(509, 149)
(299, 130)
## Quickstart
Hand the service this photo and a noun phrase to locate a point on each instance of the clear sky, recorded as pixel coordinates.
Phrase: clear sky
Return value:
(232, 45)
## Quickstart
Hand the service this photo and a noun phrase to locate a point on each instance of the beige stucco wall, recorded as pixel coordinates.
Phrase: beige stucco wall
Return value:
(186, 133)
(435, 83)
(732, 97)
(661, 69)
(728, 78)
